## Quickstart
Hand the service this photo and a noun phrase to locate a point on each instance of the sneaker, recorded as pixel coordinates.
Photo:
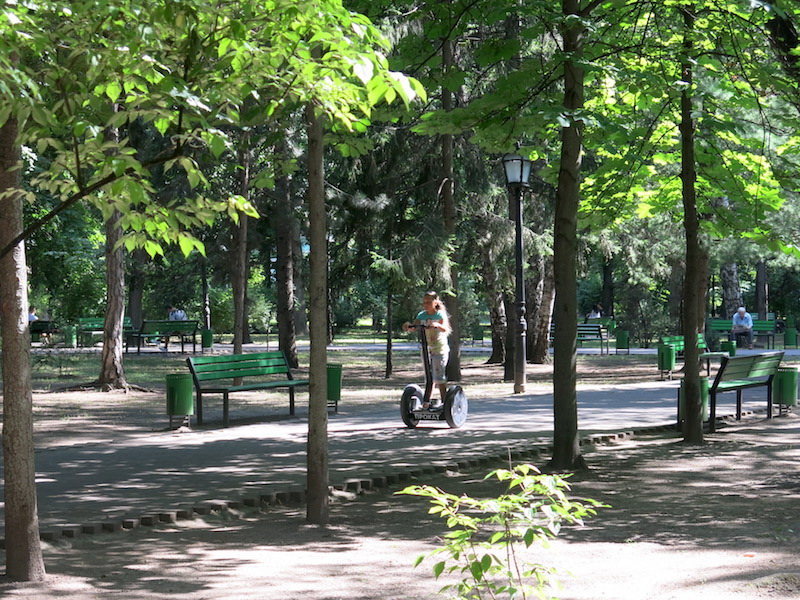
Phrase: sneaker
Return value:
(437, 403)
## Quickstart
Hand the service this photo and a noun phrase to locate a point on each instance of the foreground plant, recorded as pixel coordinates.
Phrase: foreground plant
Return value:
(485, 534)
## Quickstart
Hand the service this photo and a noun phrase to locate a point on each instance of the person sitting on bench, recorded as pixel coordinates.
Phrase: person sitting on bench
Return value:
(742, 327)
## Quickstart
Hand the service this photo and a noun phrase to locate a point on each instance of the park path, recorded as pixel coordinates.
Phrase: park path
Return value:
(159, 472)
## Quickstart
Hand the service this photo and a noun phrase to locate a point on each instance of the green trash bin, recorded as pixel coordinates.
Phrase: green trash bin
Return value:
(622, 341)
(207, 338)
(784, 386)
(790, 337)
(729, 347)
(334, 386)
(70, 336)
(666, 359)
(703, 399)
(180, 395)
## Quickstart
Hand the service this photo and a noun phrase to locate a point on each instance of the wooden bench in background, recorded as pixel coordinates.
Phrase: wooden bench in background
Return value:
(258, 370)
(737, 373)
(762, 329)
(42, 330)
(90, 328)
(164, 330)
(589, 332)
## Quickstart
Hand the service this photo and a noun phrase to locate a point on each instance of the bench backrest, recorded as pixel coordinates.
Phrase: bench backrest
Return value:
(607, 322)
(97, 323)
(231, 366)
(166, 326)
(748, 366)
(586, 330)
(761, 325)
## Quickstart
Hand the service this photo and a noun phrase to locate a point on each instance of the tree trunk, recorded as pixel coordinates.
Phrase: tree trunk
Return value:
(497, 313)
(566, 449)
(762, 290)
(24, 560)
(450, 223)
(112, 373)
(731, 291)
(205, 292)
(317, 478)
(540, 323)
(608, 288)
(693, 298)
(300, 312)
(284, 270)
(389, 320)
(239, 276)
(136, 287)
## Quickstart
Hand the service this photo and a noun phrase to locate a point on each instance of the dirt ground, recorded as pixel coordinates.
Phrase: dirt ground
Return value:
(684, 523)
(711, 522)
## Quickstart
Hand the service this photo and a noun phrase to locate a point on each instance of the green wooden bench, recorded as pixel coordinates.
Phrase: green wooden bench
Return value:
(589, 332)
(164, 330)
(762, 328)
(90, 328)
(737, 373)
(607, 322)
(261, 370)
(678, 342)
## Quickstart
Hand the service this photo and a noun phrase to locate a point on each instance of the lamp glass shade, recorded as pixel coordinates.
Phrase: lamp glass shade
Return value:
(517, 168)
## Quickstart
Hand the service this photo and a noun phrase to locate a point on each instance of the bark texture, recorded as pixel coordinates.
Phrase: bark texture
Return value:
(24, 560)
(692, 296)
(449, 214)
(112, 373)
(283, 217)
(566, 448)
(731, 290)
(318, 476)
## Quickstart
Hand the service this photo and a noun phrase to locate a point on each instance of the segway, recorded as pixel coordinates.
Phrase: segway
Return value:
(416, 406)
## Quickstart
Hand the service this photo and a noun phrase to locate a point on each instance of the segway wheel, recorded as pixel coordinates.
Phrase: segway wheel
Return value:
(456, 406)
(412, 395)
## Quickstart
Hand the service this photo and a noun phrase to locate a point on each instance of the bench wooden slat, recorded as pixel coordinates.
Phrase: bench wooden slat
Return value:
(209, 371)
(737, 373)
(589, 332)
(245, 371)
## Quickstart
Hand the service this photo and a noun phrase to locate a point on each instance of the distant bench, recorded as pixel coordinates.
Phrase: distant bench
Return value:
(42, 330)
(737, 373)
(762, 328)
(163, 330)
(589, 332)
(91, 327)
(209, 372)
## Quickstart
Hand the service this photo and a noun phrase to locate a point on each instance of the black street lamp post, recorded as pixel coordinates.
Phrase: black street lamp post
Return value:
(518, 171)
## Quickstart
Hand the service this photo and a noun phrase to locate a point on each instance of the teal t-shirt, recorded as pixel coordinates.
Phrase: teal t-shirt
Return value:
(437, 339)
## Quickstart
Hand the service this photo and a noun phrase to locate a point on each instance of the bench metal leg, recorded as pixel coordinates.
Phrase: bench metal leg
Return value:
(738, 405)
(199, 407)
(291, 401)
(712, 412)
(225, 409)
(769, 399)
